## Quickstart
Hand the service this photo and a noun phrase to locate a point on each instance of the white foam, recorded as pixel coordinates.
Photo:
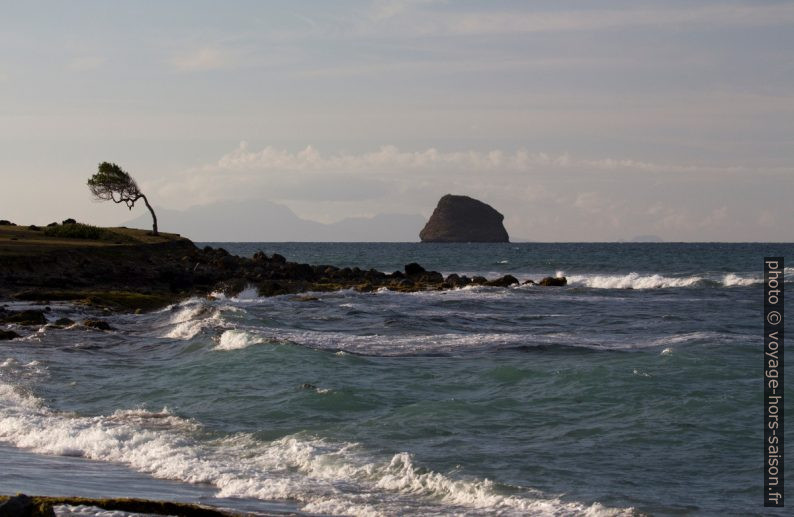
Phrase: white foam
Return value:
(732, 279)
(237, 339)
(322, 476)
(632, 281)
(667, 351)
(191, 319)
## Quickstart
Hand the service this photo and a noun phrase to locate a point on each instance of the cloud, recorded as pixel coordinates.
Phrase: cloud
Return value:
(492, 21)
(544, 196)
(86, 63)
(202, 59)
(391, 158)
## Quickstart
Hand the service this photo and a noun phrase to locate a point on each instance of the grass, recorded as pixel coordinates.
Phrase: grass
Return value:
(21, 240)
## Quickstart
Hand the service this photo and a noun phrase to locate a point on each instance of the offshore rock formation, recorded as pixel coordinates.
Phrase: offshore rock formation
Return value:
(464, 219)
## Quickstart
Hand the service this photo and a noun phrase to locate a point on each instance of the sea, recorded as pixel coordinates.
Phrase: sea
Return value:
(634, 390)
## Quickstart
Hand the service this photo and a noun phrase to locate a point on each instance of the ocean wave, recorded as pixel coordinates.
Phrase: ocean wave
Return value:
(657, 281)
(235, 339)
(322, 476)
(190, 318)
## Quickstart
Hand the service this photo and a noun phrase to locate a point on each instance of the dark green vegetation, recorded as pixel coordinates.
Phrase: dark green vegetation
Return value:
(41, 506)
(111, 183)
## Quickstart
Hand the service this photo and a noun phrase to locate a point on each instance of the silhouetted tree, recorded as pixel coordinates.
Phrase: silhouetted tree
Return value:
(111, 183)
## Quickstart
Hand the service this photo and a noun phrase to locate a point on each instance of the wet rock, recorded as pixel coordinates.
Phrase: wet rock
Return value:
(432, 277)
(97, 324)
(31, 317)
(5, 335)
(529, 282)
(64, 322)
(464, 219)
(553, 281)
(505, 281)
(414, 269)
(17, 506)
(278, 259)
(479, 280)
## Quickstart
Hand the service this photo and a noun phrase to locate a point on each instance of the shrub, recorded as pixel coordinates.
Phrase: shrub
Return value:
(5, 222)
(75, 231)
(69, 221)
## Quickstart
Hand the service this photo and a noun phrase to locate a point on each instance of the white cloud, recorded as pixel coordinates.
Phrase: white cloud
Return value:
(206, 58)
(491, 21)
(86, 63)
(391, 158)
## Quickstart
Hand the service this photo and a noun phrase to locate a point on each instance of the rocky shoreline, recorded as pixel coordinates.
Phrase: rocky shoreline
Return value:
(143, 276)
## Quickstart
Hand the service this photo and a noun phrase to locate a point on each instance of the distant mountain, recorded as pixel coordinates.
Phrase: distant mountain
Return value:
(265, 221)
(646, 238)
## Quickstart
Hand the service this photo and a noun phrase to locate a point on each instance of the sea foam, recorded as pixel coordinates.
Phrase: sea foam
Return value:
(322, 476)
(237, 339)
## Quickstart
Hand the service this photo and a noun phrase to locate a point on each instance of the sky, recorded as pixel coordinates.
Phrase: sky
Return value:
(578, 120)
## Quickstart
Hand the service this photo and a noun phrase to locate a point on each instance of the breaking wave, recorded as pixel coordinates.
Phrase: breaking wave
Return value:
(322, 476)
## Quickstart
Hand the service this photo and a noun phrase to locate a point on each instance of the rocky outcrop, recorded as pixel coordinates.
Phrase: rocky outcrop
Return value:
(464, 219)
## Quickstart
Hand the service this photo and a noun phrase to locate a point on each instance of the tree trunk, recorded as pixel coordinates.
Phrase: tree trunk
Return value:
(154, 217)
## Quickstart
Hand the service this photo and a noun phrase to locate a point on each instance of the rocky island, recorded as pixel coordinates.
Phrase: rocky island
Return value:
(464, 219)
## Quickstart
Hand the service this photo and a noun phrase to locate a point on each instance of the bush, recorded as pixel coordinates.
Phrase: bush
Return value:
(69, 221)
(5, 222)
(75, 231)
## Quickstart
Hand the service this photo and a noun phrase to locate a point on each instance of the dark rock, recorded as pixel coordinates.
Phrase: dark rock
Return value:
(505, 281)
(414, 269)
(278, 259)
(8, 334)
(464, 219)
(260, 256)
(307, 386)
(97, 324)
(26, 318)
(19, 505)
(553, 281)
(64, 322)
(529, 282)
(69, 221)
(432, 277)
(479, 280)
(397, 274)
(454, 280)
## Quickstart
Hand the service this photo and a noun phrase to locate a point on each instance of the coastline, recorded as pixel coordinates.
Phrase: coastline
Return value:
(134, 271)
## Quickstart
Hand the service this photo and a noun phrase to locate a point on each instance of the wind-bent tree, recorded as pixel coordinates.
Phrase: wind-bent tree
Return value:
(111, 183)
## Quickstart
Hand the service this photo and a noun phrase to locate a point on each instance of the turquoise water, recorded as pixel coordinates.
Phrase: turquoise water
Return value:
(635, 389)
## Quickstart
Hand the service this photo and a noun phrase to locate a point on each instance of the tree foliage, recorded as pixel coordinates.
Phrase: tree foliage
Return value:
(112, 183)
